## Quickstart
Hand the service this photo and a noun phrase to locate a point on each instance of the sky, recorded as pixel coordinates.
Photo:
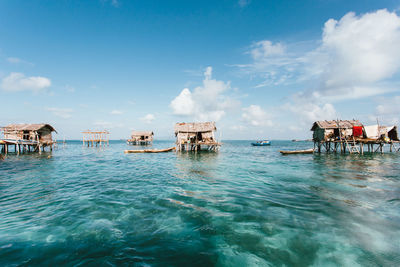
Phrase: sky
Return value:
(260, 69)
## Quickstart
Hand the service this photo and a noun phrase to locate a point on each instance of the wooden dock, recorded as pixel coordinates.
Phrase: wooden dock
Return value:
(95, 138)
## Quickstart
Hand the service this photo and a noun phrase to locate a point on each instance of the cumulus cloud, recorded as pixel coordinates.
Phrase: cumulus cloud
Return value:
(64, 113)
(183, 104)
(354, 56)
(19, 82)
(206, 102)
(359, 51)
(116, 112)
(256, 116)
(262, 50)
(309, 109)
(149, 118)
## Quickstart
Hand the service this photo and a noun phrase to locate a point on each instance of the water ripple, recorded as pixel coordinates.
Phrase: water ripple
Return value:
(241, 206)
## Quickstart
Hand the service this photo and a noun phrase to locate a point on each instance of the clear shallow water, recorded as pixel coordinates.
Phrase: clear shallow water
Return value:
(239, 207)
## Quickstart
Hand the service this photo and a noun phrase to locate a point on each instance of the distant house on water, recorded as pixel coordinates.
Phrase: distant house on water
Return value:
(330, 130)
(196, 136)
(27, 137)
(141, 138)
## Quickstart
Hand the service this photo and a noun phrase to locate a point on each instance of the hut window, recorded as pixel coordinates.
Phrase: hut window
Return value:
(25, 135)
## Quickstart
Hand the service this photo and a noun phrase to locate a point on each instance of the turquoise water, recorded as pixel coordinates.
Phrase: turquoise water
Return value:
(242, 206)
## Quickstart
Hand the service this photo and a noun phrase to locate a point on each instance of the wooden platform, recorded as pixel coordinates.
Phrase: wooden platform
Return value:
(356, 145)
(20, 145)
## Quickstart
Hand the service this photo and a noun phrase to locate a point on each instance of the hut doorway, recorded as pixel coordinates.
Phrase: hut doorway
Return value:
(336, 132)
(199, 136)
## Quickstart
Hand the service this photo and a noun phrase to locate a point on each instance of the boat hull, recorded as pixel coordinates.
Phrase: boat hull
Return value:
(306, 151)
(261, 144)
(150, 150)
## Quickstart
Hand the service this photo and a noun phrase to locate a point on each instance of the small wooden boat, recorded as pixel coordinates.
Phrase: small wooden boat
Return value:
(150, 150)
(261, 143)
(305, 151)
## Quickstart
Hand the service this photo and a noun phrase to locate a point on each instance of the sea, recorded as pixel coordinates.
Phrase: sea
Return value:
(241, 206)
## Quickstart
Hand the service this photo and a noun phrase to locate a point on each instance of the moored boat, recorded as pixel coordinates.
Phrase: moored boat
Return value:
(261, 143)
(150, 150)
(305, 151)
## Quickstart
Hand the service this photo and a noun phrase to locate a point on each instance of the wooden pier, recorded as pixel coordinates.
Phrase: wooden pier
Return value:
(95, 138)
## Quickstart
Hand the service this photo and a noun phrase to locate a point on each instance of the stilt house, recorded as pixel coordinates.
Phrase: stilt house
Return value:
(333, 130)
(28, 136)
(196, 136)
(351, 136)
(141, 138)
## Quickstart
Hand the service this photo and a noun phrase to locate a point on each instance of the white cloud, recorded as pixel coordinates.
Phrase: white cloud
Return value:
(18, 82)
(64, 113)
(116, 112)
(262, 50)
(355, 55)
(183, 104)
(149, 118)
(359, 51)
(206, 102)
(309, 108)
(256, 116)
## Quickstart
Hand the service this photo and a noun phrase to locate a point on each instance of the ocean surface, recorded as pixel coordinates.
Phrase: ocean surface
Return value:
(242, 206)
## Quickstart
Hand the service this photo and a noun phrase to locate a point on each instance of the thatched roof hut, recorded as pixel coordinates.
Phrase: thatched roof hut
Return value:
(34, 132)
(195, 127)
(191, 136)
(141, 137)
(326, 130)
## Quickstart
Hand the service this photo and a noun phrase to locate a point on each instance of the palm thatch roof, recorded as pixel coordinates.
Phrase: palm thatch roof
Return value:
(194, 127)
(28, 127)
(142, 133)
(342, 124)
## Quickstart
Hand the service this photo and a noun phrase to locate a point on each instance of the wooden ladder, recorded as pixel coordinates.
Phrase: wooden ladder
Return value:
(353, 148)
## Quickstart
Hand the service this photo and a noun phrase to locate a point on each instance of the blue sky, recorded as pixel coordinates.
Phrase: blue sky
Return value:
(261, 69)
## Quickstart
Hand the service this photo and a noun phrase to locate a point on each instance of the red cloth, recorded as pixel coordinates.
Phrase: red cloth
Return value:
(357, 131)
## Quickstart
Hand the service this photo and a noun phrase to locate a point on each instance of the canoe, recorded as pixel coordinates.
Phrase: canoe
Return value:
(150, 150)
(306, 151)
(261, 143)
